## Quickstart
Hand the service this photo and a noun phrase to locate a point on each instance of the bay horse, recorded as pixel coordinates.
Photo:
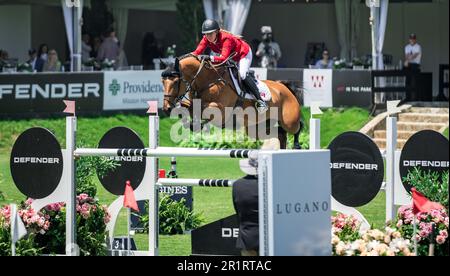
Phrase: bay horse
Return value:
(191, 78)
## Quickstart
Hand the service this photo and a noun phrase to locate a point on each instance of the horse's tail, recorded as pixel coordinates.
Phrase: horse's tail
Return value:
(296, 91)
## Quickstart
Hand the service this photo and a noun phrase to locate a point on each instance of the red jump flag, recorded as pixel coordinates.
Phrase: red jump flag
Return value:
(70, 107)
(129, 201)
(423, 204)
(162, 173)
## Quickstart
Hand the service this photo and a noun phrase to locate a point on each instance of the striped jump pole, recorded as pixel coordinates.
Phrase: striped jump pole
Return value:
(195, 182)
(168, 152)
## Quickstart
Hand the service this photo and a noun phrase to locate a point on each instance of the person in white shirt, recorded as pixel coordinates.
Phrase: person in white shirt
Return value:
(413, 54)
(413, 58)
(85, 48)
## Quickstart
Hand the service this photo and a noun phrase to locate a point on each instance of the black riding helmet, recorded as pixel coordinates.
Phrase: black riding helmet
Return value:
(209, 26)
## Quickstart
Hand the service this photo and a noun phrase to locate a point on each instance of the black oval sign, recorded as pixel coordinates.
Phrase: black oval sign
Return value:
(36, 163)
(427, 150)
(131, 167)
(357, 169)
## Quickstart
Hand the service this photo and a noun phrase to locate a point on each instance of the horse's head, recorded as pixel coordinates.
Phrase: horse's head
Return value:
(177, 78)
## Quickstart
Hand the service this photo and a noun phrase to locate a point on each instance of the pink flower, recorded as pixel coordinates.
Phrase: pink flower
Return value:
(435, 213)
(423, 233)
(83, 196)
(29, 201)
(443, 233)
(440, 239)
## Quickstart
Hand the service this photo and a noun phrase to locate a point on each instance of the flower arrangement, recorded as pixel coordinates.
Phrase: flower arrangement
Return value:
(24, 67)
(170, 52)
(424, 224)
(25, 246)
(47, 227)
(108, 64)
(91, 62)
(348, 240)
(339, 64)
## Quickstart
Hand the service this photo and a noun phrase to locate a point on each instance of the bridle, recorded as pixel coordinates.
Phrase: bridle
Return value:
(190, 84)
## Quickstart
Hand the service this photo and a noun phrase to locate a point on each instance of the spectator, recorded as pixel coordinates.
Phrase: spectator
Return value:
(122, 60)
(52, 64)
(268, 50)
(413, 54)
(413, 58)
(36, 63)
(96, 45)
(109, 48)
(245, 202)
(3, 58)
(325, 62)
(85, 48)
(43, 52)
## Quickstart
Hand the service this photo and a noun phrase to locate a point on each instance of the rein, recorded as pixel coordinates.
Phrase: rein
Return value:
(190, 85)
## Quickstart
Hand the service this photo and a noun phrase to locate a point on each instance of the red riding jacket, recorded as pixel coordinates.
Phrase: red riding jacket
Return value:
(226, 44)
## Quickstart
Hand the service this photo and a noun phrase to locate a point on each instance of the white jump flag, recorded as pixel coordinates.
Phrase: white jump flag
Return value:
(18, 229)
(392, 107)
(315, 108)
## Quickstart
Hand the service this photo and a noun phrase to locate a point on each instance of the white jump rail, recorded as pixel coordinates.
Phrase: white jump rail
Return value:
(168, 152)
(195, 182)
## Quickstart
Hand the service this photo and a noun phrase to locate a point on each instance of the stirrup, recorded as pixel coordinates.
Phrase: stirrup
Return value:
(261, 106)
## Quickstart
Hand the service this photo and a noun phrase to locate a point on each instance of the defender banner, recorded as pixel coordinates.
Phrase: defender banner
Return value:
(43, 93)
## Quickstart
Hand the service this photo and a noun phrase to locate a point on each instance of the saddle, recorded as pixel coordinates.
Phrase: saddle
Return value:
(239, 87)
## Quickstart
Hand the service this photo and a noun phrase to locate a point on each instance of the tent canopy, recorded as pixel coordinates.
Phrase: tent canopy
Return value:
(161, 5)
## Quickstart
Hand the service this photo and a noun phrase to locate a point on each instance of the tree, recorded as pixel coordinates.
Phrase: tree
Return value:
(190, 16)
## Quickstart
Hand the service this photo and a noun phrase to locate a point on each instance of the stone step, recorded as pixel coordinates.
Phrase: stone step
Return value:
(424, 117)
(418, 126)
(429, 110)
(381, 143)
(401, 134)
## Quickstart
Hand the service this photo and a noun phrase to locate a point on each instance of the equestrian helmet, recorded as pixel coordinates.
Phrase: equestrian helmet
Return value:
(209, 26)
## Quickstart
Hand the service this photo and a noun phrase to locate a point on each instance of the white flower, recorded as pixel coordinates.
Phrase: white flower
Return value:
(372, 245)
(349, 252)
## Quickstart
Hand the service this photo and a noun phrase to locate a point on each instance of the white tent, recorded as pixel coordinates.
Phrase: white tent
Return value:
(72, 12)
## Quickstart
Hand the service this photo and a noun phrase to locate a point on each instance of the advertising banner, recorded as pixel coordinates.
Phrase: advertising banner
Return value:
(130, 90)
(318, 87)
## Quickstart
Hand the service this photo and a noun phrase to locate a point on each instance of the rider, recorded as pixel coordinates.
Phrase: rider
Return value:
(226, 44)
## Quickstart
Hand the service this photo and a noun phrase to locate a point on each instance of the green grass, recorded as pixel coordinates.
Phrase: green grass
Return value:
(212, 204)
(446, 133)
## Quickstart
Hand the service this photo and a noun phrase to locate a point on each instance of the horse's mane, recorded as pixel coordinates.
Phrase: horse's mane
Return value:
(187, 55)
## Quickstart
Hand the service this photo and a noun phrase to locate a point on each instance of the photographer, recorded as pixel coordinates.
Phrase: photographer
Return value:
(268, 50)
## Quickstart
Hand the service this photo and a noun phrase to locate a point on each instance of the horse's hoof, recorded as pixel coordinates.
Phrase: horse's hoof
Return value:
(297, 146)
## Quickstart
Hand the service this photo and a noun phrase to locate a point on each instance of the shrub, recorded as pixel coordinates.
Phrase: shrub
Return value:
(174, 217)
(87, 170)
(432, 185)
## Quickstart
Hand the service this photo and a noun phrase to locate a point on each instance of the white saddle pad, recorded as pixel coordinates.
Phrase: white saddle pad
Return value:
(264, 90)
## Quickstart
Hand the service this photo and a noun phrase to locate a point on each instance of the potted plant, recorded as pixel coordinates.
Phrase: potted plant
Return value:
(24, 67)
(108, 65)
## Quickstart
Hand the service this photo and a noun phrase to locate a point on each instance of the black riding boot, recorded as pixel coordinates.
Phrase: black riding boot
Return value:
(250, 84)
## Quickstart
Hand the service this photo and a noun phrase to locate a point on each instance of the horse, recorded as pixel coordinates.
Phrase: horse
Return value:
(212, 84)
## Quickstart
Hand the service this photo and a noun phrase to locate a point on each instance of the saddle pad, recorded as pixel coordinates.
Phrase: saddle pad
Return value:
(262, 87)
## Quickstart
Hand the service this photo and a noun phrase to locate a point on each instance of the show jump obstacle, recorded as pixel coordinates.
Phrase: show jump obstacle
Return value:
(294, 185)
